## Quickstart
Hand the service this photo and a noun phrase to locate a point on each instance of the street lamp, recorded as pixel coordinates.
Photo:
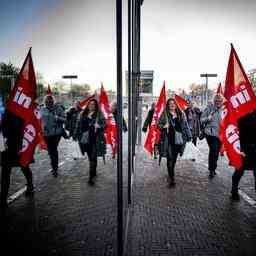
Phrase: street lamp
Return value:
(206, 75)
(70, 77)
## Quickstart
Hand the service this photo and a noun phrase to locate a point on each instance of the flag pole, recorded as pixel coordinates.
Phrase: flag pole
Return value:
(119, 128)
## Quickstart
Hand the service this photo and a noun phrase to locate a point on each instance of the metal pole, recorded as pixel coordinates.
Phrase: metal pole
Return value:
(206, 91)
(133, 82)
(119, 128)
(139, 77)
(130, 117)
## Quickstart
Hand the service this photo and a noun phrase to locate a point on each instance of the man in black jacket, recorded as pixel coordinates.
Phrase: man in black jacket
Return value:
(246, 126)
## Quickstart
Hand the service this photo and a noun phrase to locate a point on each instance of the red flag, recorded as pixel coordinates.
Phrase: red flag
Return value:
(84, 103)
(33, 135)
(219, 89)
(49, 91)
(111, 130)
(229, 136)
(240, 100)
(238, 89)
(181, 102)
(23, 93)
(153, 135)
(22, 103)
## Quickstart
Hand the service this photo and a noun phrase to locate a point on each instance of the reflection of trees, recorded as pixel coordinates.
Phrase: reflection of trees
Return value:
(197, 91)
(147, 86)
(252, 78)
(80, 90)
(8, 72)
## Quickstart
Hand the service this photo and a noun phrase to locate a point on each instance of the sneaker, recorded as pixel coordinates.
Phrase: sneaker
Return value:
(172, 183)
(29, 191)
(3, 205)
(235, 196)
(211, 174)
(55, 173)
(91, 182)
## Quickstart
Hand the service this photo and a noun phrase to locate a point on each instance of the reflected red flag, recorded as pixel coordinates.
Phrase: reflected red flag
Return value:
(153, 135)
(23, 93)
(22, 103)
(84, 103)
(111, 130)
(240, 100)
(219, 89)
(33, 136)
(181, 102)
(49, 91)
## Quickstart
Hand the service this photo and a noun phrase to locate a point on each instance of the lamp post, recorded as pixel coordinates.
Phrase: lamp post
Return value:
(70, 77)
(206, 75)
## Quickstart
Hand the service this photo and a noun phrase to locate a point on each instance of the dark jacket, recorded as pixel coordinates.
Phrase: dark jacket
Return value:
(53, 120)
(72, 117)
(246, 126)
(95, 138)
(167, 139)
(148, 120)
(12, 129)
(125, 129)
(193, 119)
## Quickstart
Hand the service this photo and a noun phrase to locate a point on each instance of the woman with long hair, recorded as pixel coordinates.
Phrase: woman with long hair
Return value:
(175, 133)
(91, 135)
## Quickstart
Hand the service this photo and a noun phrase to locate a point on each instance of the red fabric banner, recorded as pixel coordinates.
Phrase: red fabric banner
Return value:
(153, 135)
(49, 91)
(238, 89)
(181, 102)
(84, 103)
(23, 93)
(111, 130)
(219, 89)
(240, 100)
(33, 135)
(22, 103)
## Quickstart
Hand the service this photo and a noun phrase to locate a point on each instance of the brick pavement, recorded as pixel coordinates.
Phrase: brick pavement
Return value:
(69, 217)
(194, 218)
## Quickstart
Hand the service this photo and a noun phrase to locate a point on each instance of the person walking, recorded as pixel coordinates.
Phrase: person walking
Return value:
(175, 133)
(147, 124)
(91, 134)
(72, 117)
(53, 118)
(193, 117)
(114, 112)
(12, 129)
(71, 125)
(246, 127)
(211, 118)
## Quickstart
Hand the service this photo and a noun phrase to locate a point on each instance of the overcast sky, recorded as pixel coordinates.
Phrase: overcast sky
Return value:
(180, 38)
